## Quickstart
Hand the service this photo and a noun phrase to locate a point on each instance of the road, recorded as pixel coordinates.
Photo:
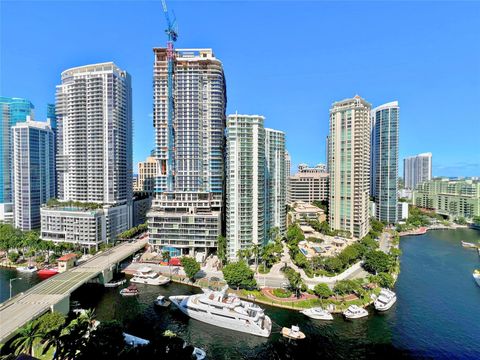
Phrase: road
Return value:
(26, 306)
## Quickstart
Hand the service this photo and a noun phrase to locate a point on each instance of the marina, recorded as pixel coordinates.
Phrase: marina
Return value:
(418, 325)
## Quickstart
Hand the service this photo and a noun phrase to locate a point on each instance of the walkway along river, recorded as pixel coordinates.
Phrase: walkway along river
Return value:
(437, 313)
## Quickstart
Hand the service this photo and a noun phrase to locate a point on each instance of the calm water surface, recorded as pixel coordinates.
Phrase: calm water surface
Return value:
(437, 314)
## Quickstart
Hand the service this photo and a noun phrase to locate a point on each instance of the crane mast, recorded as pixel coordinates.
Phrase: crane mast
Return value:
(172, 36)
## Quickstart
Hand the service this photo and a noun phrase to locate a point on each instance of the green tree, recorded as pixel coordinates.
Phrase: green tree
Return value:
(106, 342)
(344, 287)
(386, 280)
(322, 291)
(190, 266)
(222, 249)
(239, 275)
(53, 339)
(461, 221)
(166, 257)
(476, 220)
(294, 279)
(50, 321)
(349, 255)
(333, 264)
(26, 338)
(377, 262)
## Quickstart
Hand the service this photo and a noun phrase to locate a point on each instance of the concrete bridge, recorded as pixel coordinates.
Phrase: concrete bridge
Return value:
(53, 294)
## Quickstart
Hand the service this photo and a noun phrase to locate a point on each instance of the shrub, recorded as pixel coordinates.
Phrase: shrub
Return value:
(322, 291)
(282, 293)
(13, 257)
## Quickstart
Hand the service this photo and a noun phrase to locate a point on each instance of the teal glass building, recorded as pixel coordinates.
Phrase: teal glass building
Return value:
(12, 111)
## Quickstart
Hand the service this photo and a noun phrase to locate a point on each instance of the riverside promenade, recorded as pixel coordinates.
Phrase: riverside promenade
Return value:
(54, 293)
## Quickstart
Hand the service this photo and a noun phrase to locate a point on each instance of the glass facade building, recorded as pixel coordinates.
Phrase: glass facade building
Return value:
(384, 161)
(12, 111)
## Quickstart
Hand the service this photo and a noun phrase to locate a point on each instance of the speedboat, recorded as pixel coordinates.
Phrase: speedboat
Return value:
(468, 244)
(476, 276)
(134, 341)
(27, 269)
(161, 301)
(225, 310)
(147, 276)
(199, 354)
(131, 290)
(317, 313)
(47, 272)
(385, 300)
(113, 284)
(355, 312)
(293, 333)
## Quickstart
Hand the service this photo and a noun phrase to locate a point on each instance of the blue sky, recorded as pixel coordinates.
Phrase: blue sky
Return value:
(285, 60)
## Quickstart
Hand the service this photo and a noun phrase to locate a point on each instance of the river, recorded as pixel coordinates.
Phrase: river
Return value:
(437, 314)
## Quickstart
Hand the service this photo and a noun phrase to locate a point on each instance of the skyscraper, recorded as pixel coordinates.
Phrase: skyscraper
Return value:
(94, 151)
(288, 166)
(245, 212)
(417, 169)
(187, 213)
(52, 117)
(33, 171)
(94, 121)
(384, 161)
(349, 166)
(276, 182)
(12, 111)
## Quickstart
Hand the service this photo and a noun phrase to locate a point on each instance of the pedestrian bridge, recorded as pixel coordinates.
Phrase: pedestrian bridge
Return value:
(53, 294)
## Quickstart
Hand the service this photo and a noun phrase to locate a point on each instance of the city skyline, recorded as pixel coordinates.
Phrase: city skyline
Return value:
(252, 89)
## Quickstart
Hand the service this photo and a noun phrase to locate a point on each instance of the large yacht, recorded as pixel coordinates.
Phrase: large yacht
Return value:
(225, 310)
(317, 313)
(355, 312)
(476, 276)
(385, 300)
(146, 275)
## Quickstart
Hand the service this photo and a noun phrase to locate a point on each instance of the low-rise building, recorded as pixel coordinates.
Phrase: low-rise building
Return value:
(308, 186)
(303, 212)
(402, 211)
(452, 198)
(66, 262)
(84, 226)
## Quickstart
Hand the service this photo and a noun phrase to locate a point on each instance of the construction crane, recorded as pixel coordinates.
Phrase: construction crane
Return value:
(172, 35)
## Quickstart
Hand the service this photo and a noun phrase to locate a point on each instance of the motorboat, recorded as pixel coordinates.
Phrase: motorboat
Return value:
(161, 301)
(27, 269)
(293, 333)
(147, 276)
(468, 244)
(385, 300)
(225, 310)
(47, 272)
(199, 354)
(131, 290)
(114, 284)
(355, 312)
(134, 341)
(317, 313)
(476, 276)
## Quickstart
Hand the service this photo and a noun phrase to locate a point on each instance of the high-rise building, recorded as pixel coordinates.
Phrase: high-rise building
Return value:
(288, 169)
(276, 182)
(417, 169)
(187, 211)
(384, 161)
(52, 118)
(309, 184)
(349, 166)
(94, 144)
(245, 211)
(327, 154)
(147, 173)
(12, 111)
(33, 171)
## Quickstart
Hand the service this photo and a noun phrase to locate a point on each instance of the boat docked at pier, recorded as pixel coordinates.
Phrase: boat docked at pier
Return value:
(27, 269)
(225, 310)
(468, 245)
(355, 312)
(114, 284)
(147, 276)
(476, 276)
(317, 313)
(47, 272)
(385, 300)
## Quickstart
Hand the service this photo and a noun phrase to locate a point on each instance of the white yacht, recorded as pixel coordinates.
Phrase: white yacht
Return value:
(385, 300)
(146, 275)
(27, 269)
(476, 276)
(355, 312)
(225, 310)
(317, 313)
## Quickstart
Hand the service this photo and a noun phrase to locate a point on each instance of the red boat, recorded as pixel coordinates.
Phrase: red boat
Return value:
(47, 272)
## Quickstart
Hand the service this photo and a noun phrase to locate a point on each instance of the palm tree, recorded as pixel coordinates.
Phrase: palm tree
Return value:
(54, 339)
(26, 339)
(166, 256)
(255, 250)
(88, 316)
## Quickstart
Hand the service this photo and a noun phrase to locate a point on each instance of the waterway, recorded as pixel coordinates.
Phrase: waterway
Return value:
(437, 314)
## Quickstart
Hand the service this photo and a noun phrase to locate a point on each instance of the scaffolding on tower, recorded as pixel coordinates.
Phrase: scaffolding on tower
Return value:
(172, 35)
